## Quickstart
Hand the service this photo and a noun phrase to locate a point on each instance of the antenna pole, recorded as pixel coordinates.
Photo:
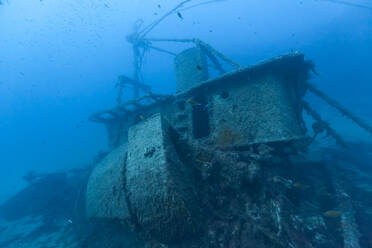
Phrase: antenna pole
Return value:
(136, 52)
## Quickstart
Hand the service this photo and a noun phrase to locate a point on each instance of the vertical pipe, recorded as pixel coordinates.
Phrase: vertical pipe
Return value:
(136, 62)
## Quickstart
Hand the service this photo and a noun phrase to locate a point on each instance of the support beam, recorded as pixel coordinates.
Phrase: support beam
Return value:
(330, 131)
(217, 53)
(340, 108)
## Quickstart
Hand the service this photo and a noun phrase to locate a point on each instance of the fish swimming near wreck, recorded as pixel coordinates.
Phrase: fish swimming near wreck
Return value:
(180, 15)
(332, 213)
(193, 102)
(298, 185)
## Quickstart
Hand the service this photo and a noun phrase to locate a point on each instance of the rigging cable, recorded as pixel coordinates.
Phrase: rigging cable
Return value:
(150, 27)
(350, 4)
(203, 3)
(142, 34)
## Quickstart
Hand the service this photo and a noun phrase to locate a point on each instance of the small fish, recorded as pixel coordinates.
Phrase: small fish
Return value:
(199, 67)
(142, 117)
(105, 4)
(332, 213)
(298, 185)
(69, 221)
(180, 15)
(193, 102)
(159, 6)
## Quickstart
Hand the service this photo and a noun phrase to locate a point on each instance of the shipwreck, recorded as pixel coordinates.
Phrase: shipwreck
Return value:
(225, 161)
(166, 146)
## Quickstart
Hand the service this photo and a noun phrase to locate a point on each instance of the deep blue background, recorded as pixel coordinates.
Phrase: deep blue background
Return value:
(59, 61)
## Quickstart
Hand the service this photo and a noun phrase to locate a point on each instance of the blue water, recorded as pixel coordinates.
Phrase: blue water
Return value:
(59, 61)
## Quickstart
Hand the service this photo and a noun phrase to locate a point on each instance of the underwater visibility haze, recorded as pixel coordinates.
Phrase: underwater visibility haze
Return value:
(164, 123)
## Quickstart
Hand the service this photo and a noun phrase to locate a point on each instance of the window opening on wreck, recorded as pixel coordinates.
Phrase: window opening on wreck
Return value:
(200, 117)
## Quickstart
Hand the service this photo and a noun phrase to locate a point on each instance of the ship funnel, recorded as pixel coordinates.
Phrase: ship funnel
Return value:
(191, 69)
